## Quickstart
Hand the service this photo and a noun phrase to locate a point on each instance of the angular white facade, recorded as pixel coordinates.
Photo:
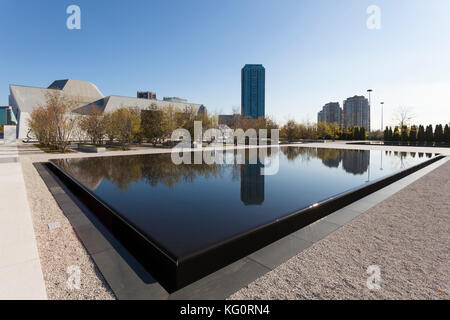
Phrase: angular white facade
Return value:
(23, 99)
(111, 103)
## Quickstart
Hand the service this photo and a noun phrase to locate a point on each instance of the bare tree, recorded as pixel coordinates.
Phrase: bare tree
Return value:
(59, 108)
(39, 124)
(94, 124)
(78, 133)
(403, 116)
(290, 130)
(125, 123)
(52, 123)
(154, 123)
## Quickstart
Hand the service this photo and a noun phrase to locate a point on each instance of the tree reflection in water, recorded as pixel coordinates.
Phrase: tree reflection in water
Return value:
(158, 168)
(124, 170)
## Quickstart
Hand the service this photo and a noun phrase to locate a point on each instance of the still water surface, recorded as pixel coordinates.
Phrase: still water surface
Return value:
(184, 208)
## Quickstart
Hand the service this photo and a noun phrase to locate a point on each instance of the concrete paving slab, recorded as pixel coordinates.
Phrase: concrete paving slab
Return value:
(279, 251)
(16, 253)
(9, 160)
(20, 269)
(223, 282)
(342, 216)
(21, 281)
(316, 231)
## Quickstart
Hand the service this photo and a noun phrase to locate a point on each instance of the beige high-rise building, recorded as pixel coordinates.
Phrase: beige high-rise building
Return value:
(331, 112)
(357, 112)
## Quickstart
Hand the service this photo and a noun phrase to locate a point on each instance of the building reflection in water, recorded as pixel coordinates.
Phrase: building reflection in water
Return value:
(252, 184)
(353, 161)
(330, 157)
(156, 169)
(356, 161)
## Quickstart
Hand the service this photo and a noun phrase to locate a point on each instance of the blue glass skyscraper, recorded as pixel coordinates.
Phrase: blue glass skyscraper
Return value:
(253, 80)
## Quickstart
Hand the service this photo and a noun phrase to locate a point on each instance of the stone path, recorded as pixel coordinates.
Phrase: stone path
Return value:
(20, 267)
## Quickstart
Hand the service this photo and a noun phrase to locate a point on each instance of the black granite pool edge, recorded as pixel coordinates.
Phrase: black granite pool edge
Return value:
(174, 275)
(159, 264)
(226, 252)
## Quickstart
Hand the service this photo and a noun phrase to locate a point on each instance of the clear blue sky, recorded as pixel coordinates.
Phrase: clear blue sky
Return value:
(314, 51)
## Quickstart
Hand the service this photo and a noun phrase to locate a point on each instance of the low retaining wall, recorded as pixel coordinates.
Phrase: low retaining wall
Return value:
(91, 148)
(9, 134)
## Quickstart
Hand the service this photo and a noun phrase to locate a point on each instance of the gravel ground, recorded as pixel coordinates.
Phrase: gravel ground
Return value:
(59, 248)
(407, 236)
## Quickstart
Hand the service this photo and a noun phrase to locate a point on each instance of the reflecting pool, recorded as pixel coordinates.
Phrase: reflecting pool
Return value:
(186, 208)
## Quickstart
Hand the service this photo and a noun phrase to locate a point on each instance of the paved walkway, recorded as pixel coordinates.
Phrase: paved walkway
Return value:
(20, 267)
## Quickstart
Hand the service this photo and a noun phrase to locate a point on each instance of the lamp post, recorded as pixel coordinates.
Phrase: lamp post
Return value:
(370, 105)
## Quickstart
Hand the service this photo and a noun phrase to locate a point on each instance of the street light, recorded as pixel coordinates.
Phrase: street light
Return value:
(370, 105)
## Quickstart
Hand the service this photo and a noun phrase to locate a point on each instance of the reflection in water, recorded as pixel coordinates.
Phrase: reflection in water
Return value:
(252, 184)
(330, 157)
(403, 156)
(353, 161)
(356, 162)
(187, 208)
(156, 169)
(124, 170)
